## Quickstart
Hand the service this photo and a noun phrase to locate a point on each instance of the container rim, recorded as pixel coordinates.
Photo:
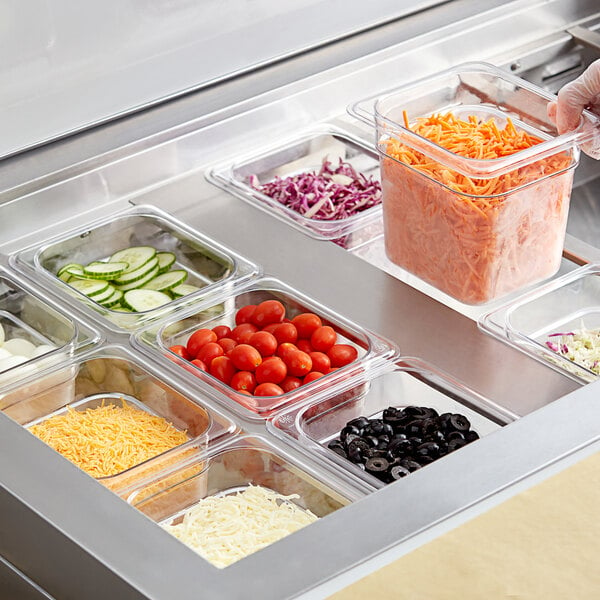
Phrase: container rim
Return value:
(481, 168)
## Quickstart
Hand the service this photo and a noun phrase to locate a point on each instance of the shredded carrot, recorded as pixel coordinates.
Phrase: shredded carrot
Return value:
(475, 239)
(109, 439)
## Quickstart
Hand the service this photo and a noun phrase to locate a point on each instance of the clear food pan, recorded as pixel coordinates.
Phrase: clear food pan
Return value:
(240, 471)
(325, 183)
(168, 344)
(172, 265)
(111, 384)
(362, 432)
(557, 323)
(481, 211)
(34, 335)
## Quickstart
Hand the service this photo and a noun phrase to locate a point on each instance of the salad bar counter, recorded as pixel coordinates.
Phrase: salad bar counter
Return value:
(271, 348)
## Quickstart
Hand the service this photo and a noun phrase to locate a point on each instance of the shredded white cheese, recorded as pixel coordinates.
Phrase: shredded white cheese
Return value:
(225, 529)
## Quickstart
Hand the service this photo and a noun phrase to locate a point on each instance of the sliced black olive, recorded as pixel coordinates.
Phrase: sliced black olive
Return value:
(377, 465)
(384, 439)
(471, 436)
(359, 444)
(409, 464)
(429, 426)
(350, 437)
(372, 441)
(335, 444)
(348, 430)
(444, 420)
(417, 412)
(425, 460)
(455, 445)
(398, 447)
(429, 449)
(454, 435)
(412, 428)
(437, 436)
(398, 471)
(356, 455)
(460, 422)
(339, 450)
(387, 429)
(359, 422)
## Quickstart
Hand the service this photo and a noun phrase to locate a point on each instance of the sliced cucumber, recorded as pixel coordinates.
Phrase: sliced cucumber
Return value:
(140, 273)
(135, 257)
(183, 290)
(64, 268)
(144, 300)
(100, 270)
(122, 309)
(104, 296)
(165, 261)
(166, 281)
(114, 299)
(89, 287)
(132, 285)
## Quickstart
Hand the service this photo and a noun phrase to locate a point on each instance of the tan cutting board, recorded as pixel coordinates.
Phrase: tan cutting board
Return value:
(542, 544)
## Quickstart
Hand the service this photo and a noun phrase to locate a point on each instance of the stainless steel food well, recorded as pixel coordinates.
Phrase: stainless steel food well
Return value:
(75, 525)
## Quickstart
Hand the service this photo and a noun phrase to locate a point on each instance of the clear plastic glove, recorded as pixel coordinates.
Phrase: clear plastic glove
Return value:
(581, 93)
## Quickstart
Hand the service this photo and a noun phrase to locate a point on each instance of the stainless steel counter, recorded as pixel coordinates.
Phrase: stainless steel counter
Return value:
(76, 539)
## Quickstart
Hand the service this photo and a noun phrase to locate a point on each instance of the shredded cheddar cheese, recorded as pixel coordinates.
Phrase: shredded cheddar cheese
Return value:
(109, 439)
(225, 529)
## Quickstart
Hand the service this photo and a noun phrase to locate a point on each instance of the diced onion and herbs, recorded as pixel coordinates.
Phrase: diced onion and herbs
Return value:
(581, 346)
(330, 194)
(135, 279)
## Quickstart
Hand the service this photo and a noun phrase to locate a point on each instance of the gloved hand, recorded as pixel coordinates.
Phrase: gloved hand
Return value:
(583, 92)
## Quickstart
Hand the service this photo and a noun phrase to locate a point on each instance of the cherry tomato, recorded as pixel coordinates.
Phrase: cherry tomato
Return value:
(342, 354)
(244, 314)
(198, 339)
(227, 344)
(271, 327)
(320, 362)
(210, 351)
(243, 381)
(284, 349)
(267, 312)
(311, 377)
(305, 346)
(306, 323)
(241, 334)
(268, 389)
(199, 363)
(222, 368)
(180, 351)
(298, 363)
(264, 342)
(323, 338)
(245, 357)
(222, 331)
(271, 370)
(285, 332)
(290, 383)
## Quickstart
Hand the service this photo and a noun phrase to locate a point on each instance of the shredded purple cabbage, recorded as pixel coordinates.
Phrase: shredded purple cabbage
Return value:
(329, 195)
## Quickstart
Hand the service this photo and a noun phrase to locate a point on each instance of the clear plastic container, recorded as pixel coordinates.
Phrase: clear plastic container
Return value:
(209, 266)
(565, 305)
(477, 229)
(311, 426)
(50, 337)
(233, 467)
(109, 375)
(373, 351)
(301, 155)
